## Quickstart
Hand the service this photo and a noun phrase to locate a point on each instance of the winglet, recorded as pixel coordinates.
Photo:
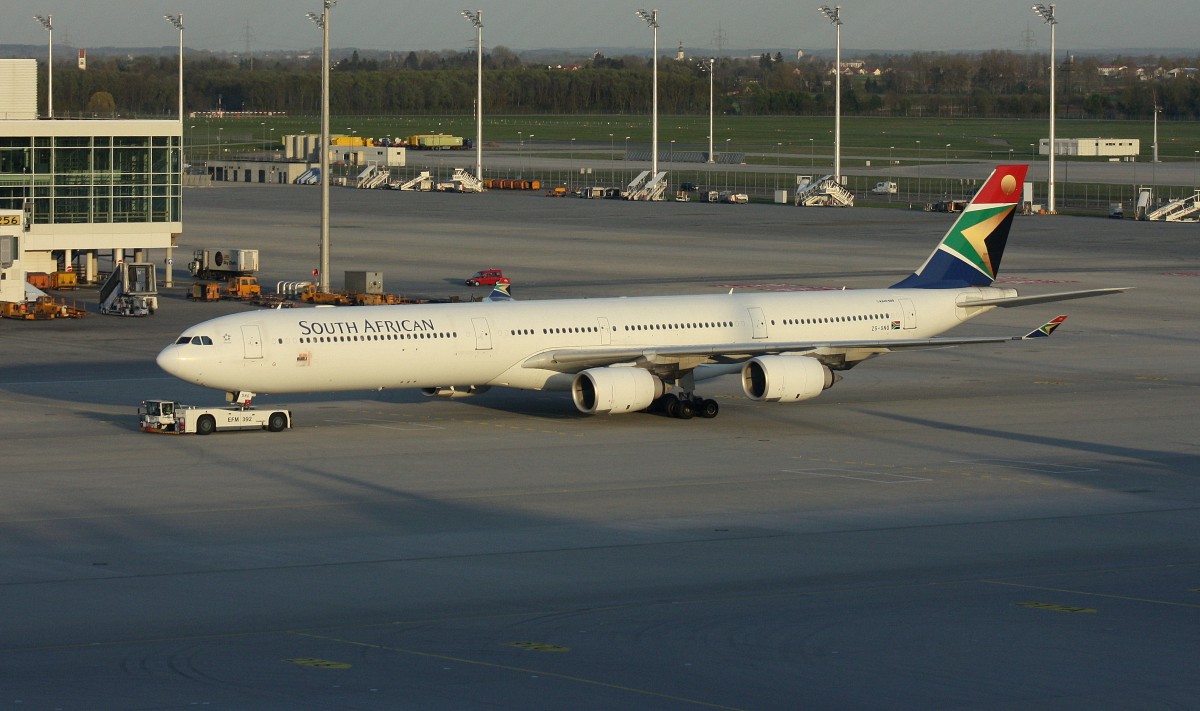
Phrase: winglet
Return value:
(1045, 329)
(501, 291)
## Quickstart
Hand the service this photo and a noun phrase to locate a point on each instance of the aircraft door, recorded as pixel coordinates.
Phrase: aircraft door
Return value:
(483, 334)
(758, 321)
(252, 341)
(605, 331)
(908, 313)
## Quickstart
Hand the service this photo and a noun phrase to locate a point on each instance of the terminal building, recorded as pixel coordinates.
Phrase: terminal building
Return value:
(92, 190)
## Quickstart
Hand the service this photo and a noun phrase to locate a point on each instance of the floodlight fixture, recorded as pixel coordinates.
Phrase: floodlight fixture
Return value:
(834, 15)
(476, 19)
(650, 17)
(1046, 12)
(322, 21)
(48, 23)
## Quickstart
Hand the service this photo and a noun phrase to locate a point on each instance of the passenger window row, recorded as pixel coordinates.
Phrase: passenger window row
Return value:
(376, 337)
(678, 326)
(834, 319)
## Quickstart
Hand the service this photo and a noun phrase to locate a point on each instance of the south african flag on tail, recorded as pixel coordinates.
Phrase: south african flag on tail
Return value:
(970, 253)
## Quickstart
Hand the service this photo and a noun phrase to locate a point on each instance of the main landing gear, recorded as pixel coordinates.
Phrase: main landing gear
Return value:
(687, 406)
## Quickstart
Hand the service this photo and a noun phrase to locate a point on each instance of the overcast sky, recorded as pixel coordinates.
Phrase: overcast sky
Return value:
(221, 25)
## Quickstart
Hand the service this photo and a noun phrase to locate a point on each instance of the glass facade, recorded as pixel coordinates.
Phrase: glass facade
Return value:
(92, 179)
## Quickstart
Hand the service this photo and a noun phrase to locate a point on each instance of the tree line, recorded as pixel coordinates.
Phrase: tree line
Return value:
(994, 84)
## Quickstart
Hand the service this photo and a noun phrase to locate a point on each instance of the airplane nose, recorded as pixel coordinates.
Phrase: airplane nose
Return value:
(174, 360)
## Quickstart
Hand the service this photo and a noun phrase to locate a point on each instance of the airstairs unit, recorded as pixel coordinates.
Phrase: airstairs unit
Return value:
(825, 192)
(1184, 210)
(423, 182)
(372, 177)
(637, 183)
(312, 176)
(131, 290)
(652, 190)
(466, 182)
(1145, 198)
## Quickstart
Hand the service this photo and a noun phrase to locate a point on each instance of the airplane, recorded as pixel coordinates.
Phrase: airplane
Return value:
(622, 355)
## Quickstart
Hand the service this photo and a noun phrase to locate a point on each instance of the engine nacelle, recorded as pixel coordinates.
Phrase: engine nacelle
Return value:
(616, 390)
(785, 378)
(455, 390)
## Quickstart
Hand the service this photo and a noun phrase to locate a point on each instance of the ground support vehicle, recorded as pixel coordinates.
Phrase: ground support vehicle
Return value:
(310, 294)
(170, 417)
(131, 290)
(485, 277)
(205, 291)
(242, 288)
(43, 308)
(946, 206)
(219, 264)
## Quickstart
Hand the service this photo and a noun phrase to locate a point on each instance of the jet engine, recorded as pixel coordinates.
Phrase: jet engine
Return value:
(785, 378)
(455, 391)
(616, 390)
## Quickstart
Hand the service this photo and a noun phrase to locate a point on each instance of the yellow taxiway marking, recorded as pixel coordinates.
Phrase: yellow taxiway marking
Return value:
(1107, 596)
(523, 670)
(537, 646)
(1053, 606)
(318, 663)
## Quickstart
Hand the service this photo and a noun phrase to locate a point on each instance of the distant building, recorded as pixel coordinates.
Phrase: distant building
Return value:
(1091, 147)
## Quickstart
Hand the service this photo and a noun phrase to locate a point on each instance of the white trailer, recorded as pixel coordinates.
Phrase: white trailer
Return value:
(223, 263)
(170, 417)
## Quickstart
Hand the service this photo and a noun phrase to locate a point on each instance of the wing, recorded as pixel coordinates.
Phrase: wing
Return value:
(684, 358)
(1011, 301)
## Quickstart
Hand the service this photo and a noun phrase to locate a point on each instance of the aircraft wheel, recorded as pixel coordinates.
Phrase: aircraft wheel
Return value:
(685, 409)
(206, 425)
(670, 405)
(708, 409)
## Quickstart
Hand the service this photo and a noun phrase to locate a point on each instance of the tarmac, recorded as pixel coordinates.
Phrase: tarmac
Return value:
(997, 527)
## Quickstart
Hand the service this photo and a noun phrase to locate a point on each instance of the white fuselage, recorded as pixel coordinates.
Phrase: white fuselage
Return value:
(489, 343)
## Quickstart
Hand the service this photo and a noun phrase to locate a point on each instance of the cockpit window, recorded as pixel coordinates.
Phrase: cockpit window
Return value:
(195, 340)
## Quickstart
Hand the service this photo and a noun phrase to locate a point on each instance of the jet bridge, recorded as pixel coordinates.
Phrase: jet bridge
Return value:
(12, 273)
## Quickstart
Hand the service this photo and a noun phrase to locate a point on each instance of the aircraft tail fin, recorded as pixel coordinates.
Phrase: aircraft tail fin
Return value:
(502, 291)
(970, 253)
